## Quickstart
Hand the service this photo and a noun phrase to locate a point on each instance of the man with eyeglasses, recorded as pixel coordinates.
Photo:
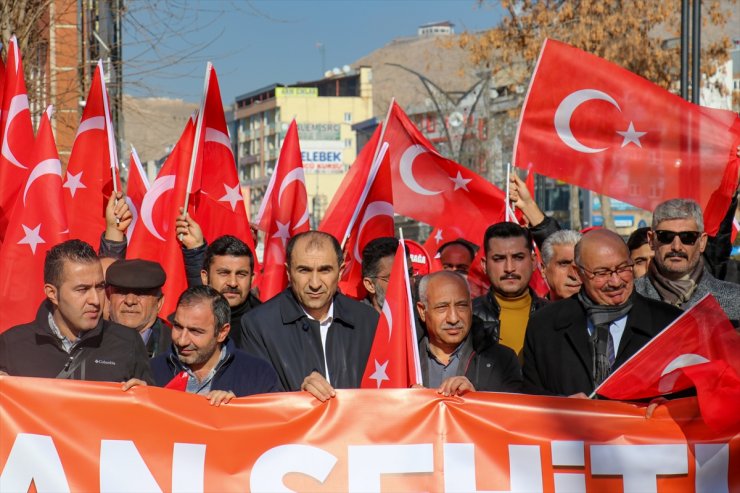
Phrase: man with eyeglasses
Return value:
(377, 260)
(677, 274)
(572, 345)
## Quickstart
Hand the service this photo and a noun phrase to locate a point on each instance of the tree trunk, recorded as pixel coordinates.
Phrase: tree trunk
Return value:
(606, 212)
(575, 209)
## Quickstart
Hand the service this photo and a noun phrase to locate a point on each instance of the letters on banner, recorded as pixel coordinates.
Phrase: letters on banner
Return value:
(94, 437)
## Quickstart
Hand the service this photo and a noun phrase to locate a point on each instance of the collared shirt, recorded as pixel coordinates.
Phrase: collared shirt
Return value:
(438, 371)
(202, 387)
(616, 329)
(324, 329)
(145, 334)
(67, 344)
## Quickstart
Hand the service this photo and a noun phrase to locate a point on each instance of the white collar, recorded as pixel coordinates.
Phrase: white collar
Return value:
(329, 315)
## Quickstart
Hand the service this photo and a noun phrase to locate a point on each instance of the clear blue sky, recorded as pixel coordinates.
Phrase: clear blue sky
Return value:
(256, 43)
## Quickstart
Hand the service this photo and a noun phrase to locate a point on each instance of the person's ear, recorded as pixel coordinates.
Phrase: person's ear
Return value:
(223, 333)
(204, 277)
(369, 286)
(422, 311)
(52, 294)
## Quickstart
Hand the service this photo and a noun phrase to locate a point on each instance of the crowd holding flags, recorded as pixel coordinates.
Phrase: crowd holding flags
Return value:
(688, 151)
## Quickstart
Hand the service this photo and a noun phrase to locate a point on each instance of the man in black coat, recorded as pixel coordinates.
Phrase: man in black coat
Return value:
(69, 338)
(457, 356)
(572, 345)
(315, 338)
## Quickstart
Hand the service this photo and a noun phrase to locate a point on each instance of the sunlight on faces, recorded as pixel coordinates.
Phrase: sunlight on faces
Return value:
(676, 259)
(457, 258)
(641, 257)
(313, 274)
(448, 311)
(560, 273)
(508, 265)
(600, 250)
(134, 308)
(80, 297)
(195, 335)
(231, 276)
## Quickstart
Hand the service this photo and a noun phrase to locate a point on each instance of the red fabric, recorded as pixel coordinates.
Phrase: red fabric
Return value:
(284, 213)
(155, 237)
(569, 129)
(440, 192)
(421, 261)
(339, 213)
(16, 135)
(136, 188)
(38, 223)
(394, 357)
(699, 339)
(374, 220)
(178, 382)
(718, 391)
(219, 205)
(88, 181)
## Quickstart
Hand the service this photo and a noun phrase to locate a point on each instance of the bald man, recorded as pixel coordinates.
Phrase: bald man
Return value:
(572, 345)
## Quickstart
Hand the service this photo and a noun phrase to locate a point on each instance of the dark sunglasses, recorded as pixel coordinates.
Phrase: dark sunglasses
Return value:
(686, 237)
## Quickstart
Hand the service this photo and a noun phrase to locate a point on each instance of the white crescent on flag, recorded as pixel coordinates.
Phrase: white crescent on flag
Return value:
(565, 111)
(407, 174)
(159, 187)
(372, 210)
(47, 167)
(668, 378)
(17, 105)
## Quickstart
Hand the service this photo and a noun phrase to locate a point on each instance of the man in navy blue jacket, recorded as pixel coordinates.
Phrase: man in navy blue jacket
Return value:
(202, 360)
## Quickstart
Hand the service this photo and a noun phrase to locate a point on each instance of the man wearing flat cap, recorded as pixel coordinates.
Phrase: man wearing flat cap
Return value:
(134, 292)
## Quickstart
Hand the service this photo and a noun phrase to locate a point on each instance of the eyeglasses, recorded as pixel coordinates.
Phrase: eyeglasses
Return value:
(686, 237)
(602, 275)
(388, 277)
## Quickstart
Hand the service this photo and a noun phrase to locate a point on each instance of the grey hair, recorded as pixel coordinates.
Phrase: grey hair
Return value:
(678, 209)
(562, 237)
(424, 283)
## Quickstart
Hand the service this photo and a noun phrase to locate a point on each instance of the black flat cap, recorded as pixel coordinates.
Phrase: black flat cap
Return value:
(135, 274)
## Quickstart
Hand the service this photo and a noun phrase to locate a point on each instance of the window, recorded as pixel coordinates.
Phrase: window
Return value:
(347, 142)
(348, 117)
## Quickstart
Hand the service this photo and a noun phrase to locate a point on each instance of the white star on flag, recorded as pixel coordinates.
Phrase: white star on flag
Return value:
(233, 195)
(283, 231)
(74, 182)
(380, 373)
(461, 182)
(438, 236)
(32, 238)
(631, 136)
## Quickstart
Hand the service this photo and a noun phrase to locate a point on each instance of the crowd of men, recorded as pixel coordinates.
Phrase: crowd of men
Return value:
(607, 298)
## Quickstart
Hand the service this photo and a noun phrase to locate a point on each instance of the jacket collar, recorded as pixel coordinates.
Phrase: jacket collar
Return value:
(43, 331)
(291, 311)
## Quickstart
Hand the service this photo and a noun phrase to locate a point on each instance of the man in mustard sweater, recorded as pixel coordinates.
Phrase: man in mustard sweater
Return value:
(509, 263)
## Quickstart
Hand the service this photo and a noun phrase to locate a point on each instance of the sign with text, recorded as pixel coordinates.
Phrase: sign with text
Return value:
(319, 131)
(67, 436)
(302, 92)
(323, 156)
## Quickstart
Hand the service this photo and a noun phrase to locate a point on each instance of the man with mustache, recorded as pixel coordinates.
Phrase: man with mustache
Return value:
(457, 356)
(558, 259)
(572, 345)
(377, 260)
(315, 338)
(508, 263)
(677, 274)
(69, 339)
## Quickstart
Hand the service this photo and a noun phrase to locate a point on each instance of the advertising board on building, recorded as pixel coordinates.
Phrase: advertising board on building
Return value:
(322, 156)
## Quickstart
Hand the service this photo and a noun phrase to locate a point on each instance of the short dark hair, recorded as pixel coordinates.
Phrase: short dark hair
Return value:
(374, 251)
(506, 230)
(68, 251)
(227, 245)
(470, 247)
(638, 238)
(219, 306)
(315, 239)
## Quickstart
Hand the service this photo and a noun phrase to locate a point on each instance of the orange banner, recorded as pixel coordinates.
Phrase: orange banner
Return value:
(81, 436)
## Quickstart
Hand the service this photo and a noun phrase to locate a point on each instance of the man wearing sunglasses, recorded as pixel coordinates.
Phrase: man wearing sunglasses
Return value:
(677, 274)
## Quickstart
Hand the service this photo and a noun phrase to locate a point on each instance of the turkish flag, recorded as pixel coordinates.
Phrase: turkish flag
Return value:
(178, 382)
(394, 356)
(373, 218)
(433, 189)
(136, 188)
(699, 349)
(38, 223)
(219, 205)
(16, 135)
(2, 84)
(283, 213)
(92, 167)
(155, 237)
(594, 124)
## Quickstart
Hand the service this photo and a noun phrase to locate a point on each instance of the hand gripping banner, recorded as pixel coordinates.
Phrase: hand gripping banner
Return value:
(81, 436)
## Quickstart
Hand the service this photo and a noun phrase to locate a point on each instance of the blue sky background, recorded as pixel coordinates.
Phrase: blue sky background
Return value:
(256, 43)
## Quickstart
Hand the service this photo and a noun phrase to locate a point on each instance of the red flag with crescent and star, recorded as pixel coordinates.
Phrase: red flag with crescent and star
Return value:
(155, 237)
(699, 349)
(373, 219)
(137, 186)
(38, 223)
(283, 213)
(394, 356)
(219, 206)
(16, 135)
(93, 162)
(592, 123)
